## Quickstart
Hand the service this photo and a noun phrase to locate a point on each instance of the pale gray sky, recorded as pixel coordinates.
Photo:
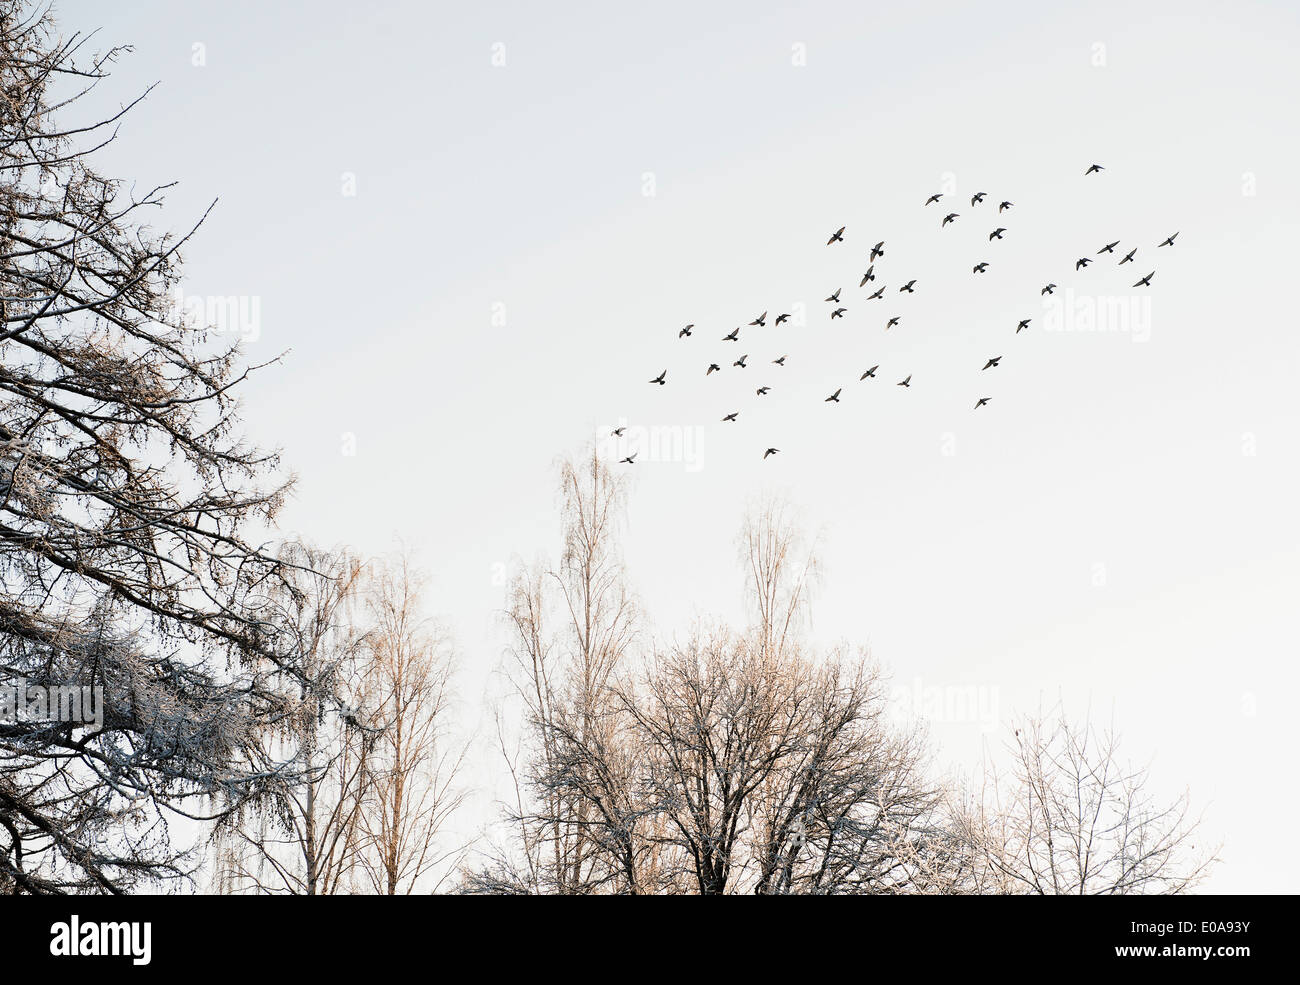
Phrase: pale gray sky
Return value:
(1117, 528)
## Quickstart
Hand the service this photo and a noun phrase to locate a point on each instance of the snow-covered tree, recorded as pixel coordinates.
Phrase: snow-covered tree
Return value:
(126, 495)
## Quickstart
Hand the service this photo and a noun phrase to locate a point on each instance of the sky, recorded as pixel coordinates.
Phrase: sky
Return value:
(475, 231)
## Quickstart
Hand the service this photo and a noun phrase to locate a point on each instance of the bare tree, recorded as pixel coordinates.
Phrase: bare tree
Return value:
(1073, 819)
(572, 625)
(782, 569)
(734, 762)
(414, 765)
(125, 489)
(301, 836)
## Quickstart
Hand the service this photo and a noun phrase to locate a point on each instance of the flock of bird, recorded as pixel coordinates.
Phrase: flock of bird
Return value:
(838, 309)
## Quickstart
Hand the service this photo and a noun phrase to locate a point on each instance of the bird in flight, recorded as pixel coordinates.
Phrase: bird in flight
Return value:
(686, 331)
(981, 402)
(741, 361)
(1169, 241)
(1047, 290)
(760, 320)
(618, 432)
(878, 294)
(661, 378)
(1128, 257)
(993, 362)
(891, 323)
(1004, 206)
(713, 368)
(980, 267)
(731, 417)
(834, 397)
(838, 312)
(934, 198)
(947, 219)
(877, 251)
(761, 391)
(770, 451)
(1108, 248)
(907, 382)
(835, 298)
(781, 318)
(1023, 324)
(779, 362)
(629, 458)
(869, 373)
(977, 198)
(1145, 281)
(907, 287)
(997, 233)
(1095, 167)
(1081, 262)
(836, 237)
(870, 275)
(733, 336)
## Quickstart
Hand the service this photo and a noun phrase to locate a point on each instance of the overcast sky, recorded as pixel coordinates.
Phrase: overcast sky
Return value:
(478, 230)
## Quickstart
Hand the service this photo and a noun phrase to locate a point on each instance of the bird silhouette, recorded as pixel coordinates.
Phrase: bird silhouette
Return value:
(907, 287)
(834, 398)
(770, 451)
(1145, 281)
(981, 402)
(1095, 167)
(629, 458)
(907, 382)
(838, 312)
(877, 251)
(878, 294)
(870, 275)
(980, 267)
(1081, 262)
(661, 378)
(761, 391)
(869, 373)
(713, 368)
(1004, 206)
(948, 218)
(779, 362)
(733, 336)
(934, 198)
(760, 319)
(993, 362)
(686, 331)
(1047, 290)
(781, 318)
(836, 237)
(1128, 257)
(997, 233)
(1023, 324)
(1170, 240)
(835, 298)
(741, 361)
(977, 198)
(1108, 248)
(618, 432)
(731, 416)
(891, 323)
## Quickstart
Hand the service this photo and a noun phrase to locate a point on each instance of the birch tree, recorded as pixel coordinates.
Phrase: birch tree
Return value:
(415, 763)
(303, 836)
